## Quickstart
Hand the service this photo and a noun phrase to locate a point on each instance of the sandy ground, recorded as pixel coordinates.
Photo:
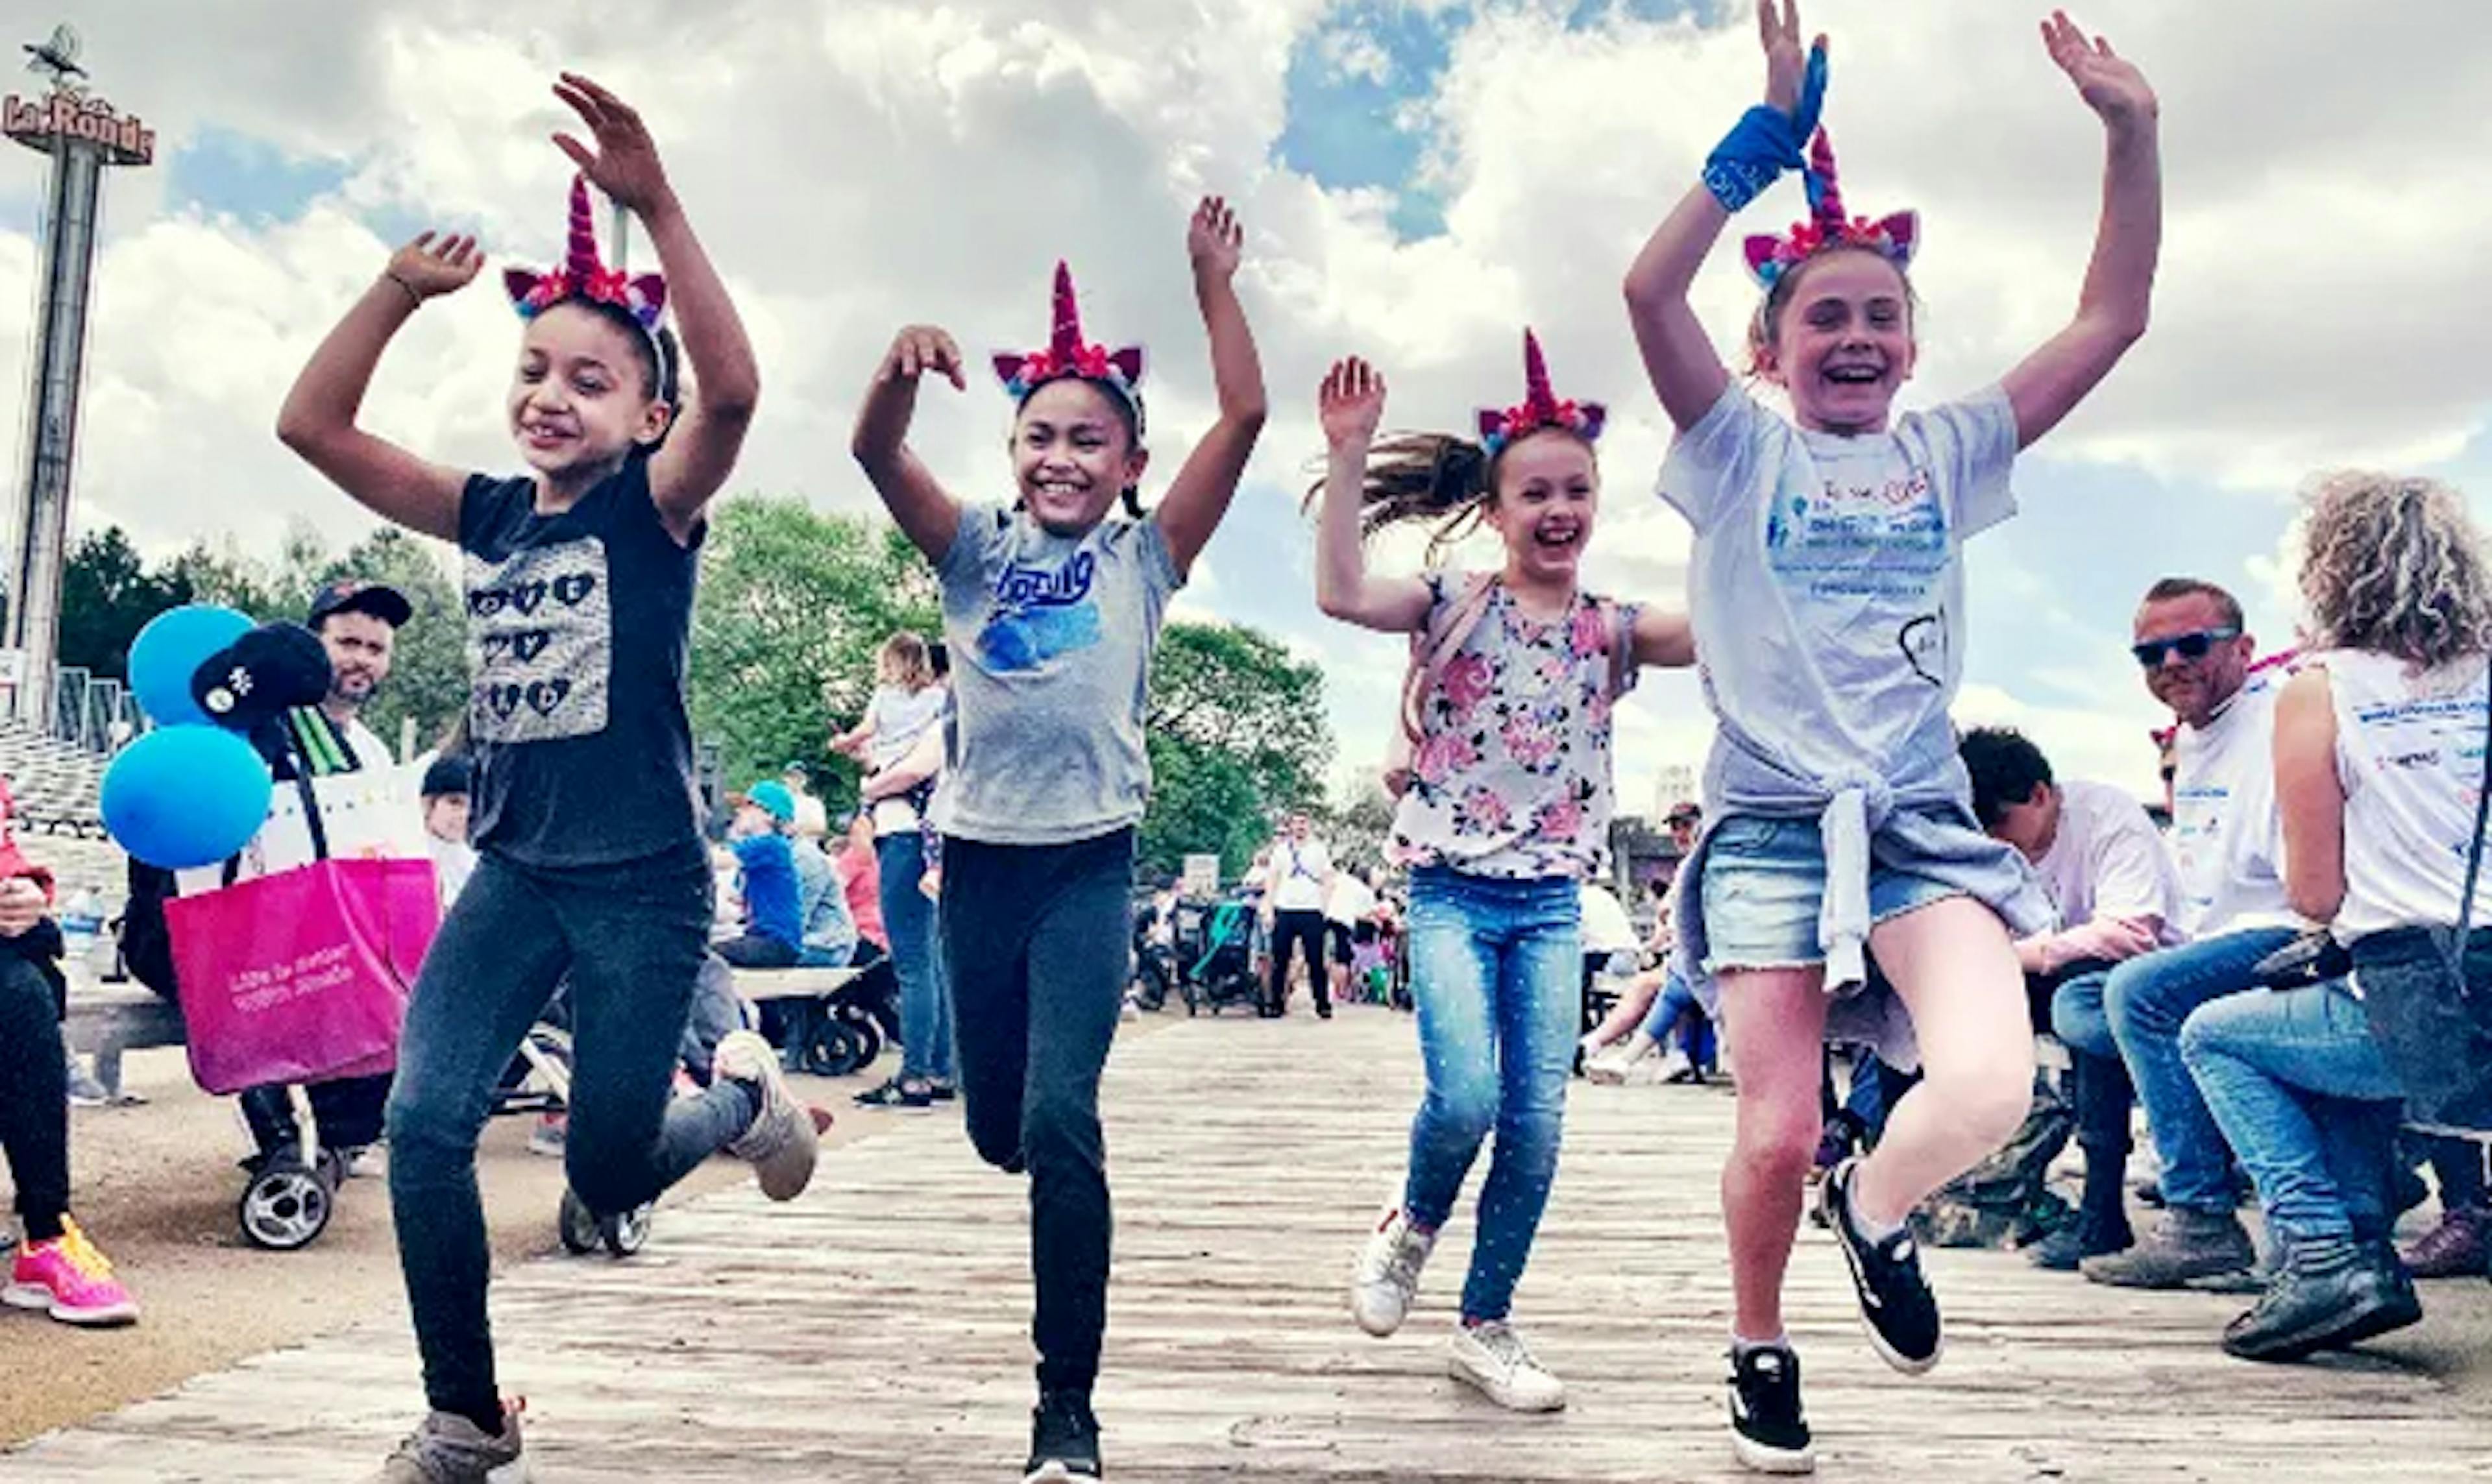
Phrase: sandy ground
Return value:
(155, 1187)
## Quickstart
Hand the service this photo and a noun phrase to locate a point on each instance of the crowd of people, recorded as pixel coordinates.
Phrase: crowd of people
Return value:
(1861, 872)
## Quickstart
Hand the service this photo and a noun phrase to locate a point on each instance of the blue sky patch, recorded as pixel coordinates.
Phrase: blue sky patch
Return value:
(224, 173)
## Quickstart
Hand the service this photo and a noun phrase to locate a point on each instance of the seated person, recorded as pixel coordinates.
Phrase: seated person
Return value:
(2108, 873)
(829, 935)
(766, 859)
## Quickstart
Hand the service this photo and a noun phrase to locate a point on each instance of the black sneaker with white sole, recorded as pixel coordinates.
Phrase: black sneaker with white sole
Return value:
(1896, 1304)
(1063, 1440)
(1768, 1432)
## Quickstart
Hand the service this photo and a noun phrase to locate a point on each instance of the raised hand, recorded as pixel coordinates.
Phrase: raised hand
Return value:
(1351, 402)
(625, 162)
(433, 265)
(1785, 58)
(1213, 239)
(2110, 83)
(918, 349)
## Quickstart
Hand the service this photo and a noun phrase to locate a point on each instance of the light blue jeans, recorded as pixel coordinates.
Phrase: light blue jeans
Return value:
(2310, 1107)
(1497, 972)
(926, 1047)
(2146, 1000)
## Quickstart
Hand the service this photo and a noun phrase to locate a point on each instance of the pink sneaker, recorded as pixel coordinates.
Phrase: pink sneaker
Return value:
(70, 1279)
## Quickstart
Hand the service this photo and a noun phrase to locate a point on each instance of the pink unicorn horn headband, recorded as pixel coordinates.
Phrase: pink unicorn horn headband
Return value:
(582, 275)
(1894, 237)
(1540, 407)
(1068, 354)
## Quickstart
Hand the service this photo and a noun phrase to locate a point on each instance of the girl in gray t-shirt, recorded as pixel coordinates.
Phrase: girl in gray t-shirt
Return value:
(1052, 609)
(1504, 815)
(1828, 605)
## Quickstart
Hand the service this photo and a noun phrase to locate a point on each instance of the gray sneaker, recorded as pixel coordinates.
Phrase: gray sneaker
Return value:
(449, 1449)
(2186, 1249)
(783, 1143)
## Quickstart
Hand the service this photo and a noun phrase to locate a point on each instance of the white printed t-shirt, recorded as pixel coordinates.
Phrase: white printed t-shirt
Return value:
(2227, 840)
(2409, 757)
(1299, 872)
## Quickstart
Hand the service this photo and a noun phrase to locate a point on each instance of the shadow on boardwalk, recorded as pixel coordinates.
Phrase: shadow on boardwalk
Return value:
(875, 1330)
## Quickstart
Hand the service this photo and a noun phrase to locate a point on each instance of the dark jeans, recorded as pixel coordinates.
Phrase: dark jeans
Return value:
(927, 1040)
(1305, 932)
(631, 939)
(34, 1098)
(1035, 942)
(2104, 1097)
(346, 1113)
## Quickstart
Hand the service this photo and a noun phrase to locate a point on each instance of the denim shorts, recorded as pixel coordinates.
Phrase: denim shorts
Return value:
(1764, 882)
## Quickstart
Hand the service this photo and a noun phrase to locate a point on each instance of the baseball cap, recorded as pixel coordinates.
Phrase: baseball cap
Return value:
(353, 595)
(449, 773)
(772, 798)
(1685, 808)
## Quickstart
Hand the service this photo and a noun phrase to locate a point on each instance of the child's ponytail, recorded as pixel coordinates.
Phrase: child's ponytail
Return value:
(1431, 477)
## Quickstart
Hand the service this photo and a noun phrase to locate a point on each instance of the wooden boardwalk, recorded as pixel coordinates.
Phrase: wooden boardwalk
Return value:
(875, 1329)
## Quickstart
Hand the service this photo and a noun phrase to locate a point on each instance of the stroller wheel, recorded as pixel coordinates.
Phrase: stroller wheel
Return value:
(627, 1233)
(285, 1206)
(580, 1230)
(837, 1047)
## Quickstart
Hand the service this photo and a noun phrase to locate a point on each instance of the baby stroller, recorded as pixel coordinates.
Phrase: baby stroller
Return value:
(1222, 972)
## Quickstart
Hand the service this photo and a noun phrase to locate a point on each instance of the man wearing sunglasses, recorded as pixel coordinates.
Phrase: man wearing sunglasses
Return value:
(2191, 644)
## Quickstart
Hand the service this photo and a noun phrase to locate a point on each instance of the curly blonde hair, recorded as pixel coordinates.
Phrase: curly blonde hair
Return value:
(2394, 565)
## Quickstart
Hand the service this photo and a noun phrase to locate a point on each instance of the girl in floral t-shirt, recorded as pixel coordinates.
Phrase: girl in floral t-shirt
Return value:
(1504, 812)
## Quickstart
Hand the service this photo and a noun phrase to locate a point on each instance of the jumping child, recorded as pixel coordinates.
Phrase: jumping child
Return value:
(1827, 587)
(1505, 817)
(1052, 607)
(579, 590)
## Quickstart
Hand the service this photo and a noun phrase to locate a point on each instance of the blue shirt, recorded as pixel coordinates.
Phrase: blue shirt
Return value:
(769, 887)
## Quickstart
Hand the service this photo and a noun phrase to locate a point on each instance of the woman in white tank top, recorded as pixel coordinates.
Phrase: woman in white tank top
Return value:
(2379, 759)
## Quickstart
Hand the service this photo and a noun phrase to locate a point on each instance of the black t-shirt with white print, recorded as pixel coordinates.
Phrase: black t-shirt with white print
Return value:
(579, 625)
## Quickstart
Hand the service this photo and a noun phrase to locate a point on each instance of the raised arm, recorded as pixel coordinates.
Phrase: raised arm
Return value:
(924, 510)
(2120, 280)
(1192, 509)
(318, 420)
(1351, 402)
(1687, 372)
(701, 451)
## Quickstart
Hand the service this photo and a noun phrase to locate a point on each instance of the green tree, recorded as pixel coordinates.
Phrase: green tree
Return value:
(793, 604)
(1237, 734)
(107, 595)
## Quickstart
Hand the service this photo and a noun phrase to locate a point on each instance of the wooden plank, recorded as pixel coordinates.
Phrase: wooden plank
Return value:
(877, 1329)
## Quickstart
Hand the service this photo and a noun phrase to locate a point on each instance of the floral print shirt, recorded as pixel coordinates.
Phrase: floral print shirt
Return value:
(1511, 775)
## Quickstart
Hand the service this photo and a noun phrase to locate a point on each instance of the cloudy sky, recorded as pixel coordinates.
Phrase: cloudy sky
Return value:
(1419, 179)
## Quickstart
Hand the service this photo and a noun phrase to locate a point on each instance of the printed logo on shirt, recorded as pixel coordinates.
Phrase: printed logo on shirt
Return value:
(1924, 642)
(1040, 613)
(540, 643)
(1887, 540)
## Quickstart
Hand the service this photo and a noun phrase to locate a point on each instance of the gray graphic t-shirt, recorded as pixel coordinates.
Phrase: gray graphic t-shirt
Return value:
(579, 625)
(1052, 639)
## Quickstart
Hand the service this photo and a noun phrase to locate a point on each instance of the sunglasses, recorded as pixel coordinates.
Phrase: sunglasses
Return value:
(2189, 646)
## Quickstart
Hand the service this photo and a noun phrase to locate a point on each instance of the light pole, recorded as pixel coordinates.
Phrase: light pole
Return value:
(82, 135)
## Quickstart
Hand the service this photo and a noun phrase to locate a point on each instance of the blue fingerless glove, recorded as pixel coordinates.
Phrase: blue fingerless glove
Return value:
(1765, 142)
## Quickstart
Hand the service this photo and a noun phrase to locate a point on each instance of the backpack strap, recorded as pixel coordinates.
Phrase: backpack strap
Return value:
(1434, 647)
(1623, 665)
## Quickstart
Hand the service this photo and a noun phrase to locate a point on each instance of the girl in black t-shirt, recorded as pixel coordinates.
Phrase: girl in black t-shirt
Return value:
(591, 865)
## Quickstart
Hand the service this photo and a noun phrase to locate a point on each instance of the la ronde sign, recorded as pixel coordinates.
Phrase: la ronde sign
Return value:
(39, 123)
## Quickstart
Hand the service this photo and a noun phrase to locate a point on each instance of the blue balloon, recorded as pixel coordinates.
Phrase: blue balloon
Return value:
(183, 796)
(173, 645)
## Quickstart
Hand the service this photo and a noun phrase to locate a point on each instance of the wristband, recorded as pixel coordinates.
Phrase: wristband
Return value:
(413, 299)
(1765, 142)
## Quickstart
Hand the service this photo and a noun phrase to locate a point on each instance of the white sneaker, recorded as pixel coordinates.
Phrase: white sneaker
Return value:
(1494, 1358)
(1611, 1067)
(1655, 1070)
(781, 1143)
(1387, 1279)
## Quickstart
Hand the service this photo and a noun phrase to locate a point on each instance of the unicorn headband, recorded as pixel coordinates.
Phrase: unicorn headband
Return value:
(1894, 237)
(1067, 354)
(1500, 426)
(582, 275)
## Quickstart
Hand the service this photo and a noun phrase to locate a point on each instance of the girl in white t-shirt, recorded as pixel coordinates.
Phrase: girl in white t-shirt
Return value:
(906, 703)
(1828, 598)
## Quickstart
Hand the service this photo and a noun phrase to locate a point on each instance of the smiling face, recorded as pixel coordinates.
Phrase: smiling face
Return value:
(1841, 342)
(2195, 689)
(1073, 454)
(1548, 490)
(583, 394)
